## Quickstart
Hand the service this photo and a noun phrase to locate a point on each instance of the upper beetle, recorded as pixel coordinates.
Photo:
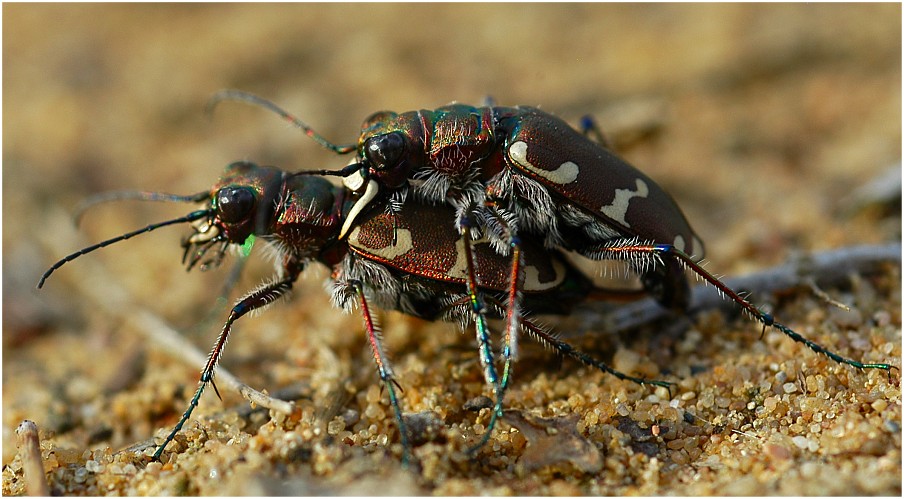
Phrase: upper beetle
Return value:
(510, 170)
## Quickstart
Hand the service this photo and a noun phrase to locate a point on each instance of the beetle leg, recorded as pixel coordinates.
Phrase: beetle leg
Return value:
(510, 345)
(644, 254)
(663, 278)
(394, 207)
(383, 368)
(565, 349)
(257, 299)
(478, 312)
(506, 230)
(512, 316)
(764, 318)
(512, 313)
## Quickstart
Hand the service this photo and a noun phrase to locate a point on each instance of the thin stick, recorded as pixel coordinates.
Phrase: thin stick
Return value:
(827, 268)
(29, 447)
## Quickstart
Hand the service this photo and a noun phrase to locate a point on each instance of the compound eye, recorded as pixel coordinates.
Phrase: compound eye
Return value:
(385, 151)
(234, 204)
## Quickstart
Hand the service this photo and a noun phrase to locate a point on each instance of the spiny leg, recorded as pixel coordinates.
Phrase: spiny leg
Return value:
(632, 251)
(510, 344)
(512, 317)
(383, 367)
(566, 350)
(478, 313)
(512, 311)
(460, 306)
(254, 300)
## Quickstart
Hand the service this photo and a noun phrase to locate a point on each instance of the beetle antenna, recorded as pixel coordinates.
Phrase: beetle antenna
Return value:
(254, 100)
(344, 172)
(106, 197)
(191, 217)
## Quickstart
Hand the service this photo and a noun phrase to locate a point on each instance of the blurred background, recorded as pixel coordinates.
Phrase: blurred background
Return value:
(761, 120)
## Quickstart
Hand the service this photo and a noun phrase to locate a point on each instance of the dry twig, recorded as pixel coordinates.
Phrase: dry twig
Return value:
(29, 446)
(825, 269)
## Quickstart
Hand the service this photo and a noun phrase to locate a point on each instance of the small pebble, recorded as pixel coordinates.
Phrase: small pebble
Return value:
(777, 452)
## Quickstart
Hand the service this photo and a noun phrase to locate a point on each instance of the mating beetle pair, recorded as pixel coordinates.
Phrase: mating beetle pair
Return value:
(409, 260)
(513, 170)
(500, 193)
(509, 172)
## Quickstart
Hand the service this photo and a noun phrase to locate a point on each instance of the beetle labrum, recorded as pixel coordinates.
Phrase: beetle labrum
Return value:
(510, 172)
(409, 260)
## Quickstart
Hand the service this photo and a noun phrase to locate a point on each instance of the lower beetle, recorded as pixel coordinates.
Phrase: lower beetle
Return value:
(408, 260)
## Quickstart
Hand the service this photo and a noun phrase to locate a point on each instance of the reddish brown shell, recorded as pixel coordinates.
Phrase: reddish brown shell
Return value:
(590, 176)
(424, 242)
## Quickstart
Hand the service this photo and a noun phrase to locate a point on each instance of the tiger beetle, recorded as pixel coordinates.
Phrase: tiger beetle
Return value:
(501, 193)
(514, 172)
(408, 260)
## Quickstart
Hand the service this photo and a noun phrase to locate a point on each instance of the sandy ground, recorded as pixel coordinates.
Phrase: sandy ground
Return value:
(763, 121)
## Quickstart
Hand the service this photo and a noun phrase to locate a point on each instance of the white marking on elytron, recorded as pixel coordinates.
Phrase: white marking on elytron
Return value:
(532, 280)
(403, 244)
(460, 269)
(566, 173)
(619, 207)
(369, 194)
(679, 243)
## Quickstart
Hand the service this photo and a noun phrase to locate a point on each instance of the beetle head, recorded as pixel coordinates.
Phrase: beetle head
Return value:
(391, 146)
